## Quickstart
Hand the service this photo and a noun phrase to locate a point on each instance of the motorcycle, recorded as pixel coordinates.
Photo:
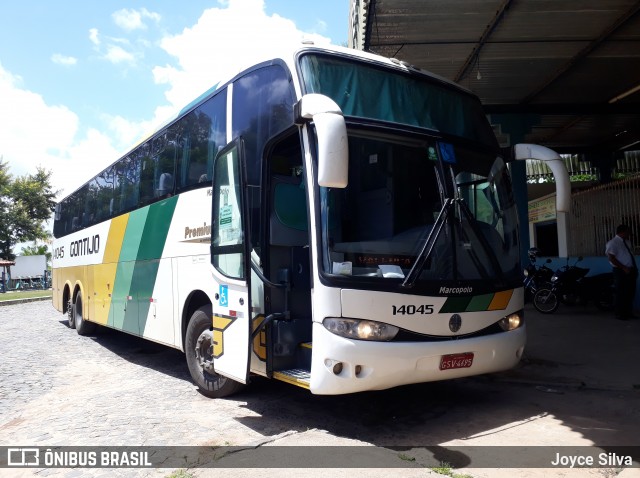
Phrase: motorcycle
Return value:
(571, 286)
(535, 276)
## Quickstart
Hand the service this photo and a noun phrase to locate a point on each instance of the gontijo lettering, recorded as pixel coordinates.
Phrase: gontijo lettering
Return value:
(86, 246)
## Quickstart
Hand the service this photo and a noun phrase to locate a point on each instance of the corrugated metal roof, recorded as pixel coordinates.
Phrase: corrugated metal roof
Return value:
(563, 61)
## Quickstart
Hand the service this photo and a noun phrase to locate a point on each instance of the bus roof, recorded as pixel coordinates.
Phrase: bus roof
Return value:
(288, 56)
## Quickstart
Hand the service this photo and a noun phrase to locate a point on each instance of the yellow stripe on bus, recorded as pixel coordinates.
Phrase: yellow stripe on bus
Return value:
(114, 239)
(501, 300)
(102, 287)
(103, 276)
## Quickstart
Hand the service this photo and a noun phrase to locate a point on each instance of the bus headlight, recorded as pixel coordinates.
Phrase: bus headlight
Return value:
(512, 321)
(360, 329)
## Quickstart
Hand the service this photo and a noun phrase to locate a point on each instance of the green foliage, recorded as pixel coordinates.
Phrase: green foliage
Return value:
(26, 202)
(404, 457)
(445, 469)
(37, 250)
(25, 294)
(181, 474)
(576, 178)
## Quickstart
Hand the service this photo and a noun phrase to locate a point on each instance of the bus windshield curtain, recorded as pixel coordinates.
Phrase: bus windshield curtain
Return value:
(367, 92)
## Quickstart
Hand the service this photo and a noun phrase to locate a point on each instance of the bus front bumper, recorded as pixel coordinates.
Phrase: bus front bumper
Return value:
(340, 365)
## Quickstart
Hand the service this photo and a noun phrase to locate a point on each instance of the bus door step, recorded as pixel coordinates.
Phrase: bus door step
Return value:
(304, 355)
(294, 376)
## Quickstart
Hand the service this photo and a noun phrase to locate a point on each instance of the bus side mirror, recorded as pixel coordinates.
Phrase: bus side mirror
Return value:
(331, 132)
(557, 166)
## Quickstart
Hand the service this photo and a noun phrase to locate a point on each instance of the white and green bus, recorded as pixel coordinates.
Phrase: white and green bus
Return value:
(329, 218)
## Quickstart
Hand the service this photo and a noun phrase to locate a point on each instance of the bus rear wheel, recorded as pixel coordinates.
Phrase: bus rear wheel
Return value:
(70, 318)
(83, 327)
(199, 351)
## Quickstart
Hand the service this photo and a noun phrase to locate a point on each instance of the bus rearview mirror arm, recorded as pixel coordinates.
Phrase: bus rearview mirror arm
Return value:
(557, 166)
(331, 133)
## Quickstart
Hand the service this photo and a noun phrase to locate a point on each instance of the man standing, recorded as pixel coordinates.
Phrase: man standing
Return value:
(625, 271)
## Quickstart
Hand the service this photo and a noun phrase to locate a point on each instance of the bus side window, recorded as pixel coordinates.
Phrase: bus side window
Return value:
(288, 224)
(147, 175)
(166, 150)
(203, 133)
(262, 102)
(288, 221)
(128, 177)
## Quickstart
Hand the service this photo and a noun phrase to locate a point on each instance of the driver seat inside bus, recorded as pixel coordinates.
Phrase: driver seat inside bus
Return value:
(165, 185)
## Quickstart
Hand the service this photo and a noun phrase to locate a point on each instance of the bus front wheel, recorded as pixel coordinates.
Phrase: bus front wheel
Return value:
(199, 351)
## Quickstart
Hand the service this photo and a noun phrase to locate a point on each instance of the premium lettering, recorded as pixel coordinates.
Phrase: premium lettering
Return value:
(200, 231)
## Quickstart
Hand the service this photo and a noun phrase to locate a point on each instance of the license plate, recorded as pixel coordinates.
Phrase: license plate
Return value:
(451, 361)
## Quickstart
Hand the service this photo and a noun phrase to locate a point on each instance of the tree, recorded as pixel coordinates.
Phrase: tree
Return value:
(26, 203)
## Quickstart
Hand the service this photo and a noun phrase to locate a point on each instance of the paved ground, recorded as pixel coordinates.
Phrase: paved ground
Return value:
(579, 385)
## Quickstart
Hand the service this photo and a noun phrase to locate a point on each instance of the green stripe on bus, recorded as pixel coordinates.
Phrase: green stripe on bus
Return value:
(131, 241)
(152, 244)
(137, 270)
(121, 303)
(479, 303)
(455, 304)
(125, 303)
(156, 228)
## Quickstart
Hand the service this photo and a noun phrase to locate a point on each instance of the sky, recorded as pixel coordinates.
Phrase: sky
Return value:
(82, 81)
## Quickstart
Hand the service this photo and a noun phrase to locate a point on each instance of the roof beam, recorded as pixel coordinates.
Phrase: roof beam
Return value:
(606, 33)
(564, 108)
(483, 39)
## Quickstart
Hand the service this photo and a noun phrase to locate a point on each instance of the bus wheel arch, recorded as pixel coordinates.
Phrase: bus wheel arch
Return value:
(198, 347)
(195, 301)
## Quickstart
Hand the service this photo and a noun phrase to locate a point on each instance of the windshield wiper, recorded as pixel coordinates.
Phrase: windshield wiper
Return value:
(483, 240)
(427, 248)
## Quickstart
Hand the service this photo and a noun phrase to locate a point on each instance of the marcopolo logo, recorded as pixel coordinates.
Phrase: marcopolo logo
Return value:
(456, 290)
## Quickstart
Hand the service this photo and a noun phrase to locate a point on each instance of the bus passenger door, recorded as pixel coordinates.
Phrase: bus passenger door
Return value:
(230, 259)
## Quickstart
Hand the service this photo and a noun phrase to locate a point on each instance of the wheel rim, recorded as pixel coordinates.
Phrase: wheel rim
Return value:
(545, 300)
(204, 351)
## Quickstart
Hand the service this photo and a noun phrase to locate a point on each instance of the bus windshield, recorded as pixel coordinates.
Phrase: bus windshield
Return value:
(448, 206)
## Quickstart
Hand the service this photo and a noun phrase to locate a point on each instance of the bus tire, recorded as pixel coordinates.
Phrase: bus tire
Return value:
(198, 343)
(70, 318)
(83, 327)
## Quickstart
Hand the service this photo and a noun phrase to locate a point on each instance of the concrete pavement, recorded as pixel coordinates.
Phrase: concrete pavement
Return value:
(577, 385)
